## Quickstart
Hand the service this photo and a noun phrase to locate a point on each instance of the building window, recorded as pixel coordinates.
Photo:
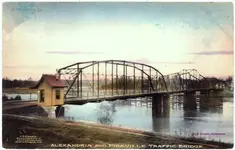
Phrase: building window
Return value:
(57, 94)
(42, 96)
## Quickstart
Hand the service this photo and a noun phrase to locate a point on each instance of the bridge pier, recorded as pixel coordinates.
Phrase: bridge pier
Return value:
(189, 101)
(166, 105)
(160, 112)
(160, 104)
(156, 104)
(59, 111)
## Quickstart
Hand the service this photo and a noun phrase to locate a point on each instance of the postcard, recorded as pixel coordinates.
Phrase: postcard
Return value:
(117, 75)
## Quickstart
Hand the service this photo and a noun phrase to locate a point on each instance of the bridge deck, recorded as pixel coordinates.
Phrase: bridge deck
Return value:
(77, 100)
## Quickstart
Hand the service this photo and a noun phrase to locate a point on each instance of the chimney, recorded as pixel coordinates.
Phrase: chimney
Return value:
(57, 76)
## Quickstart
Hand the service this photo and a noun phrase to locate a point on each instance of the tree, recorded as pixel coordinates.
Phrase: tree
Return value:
(7, 83)
(229, 80)
(4, 98)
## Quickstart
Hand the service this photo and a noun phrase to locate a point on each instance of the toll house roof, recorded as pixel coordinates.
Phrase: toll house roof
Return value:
(51, 80)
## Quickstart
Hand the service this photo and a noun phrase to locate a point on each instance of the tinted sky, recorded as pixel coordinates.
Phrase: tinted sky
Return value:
(42, 37)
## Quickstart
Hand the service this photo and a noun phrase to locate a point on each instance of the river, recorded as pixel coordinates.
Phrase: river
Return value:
(212, 120)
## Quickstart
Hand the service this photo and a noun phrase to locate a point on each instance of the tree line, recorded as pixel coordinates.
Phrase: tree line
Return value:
(128, 83)
(119, 83)
(15, 83)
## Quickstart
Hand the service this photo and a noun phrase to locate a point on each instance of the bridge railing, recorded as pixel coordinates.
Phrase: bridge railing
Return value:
(108, 93)
(190, 79)
(117, 77)
(99, 77)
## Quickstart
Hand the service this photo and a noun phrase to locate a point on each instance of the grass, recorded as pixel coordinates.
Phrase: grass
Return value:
(56, 131)
(192, 136)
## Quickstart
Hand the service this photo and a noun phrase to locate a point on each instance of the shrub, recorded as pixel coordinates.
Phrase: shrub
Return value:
(18, 97)
(4, 98)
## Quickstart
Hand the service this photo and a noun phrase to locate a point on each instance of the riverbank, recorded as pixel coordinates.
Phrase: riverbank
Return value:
(31, 124)
(49, 133)
(24, 108)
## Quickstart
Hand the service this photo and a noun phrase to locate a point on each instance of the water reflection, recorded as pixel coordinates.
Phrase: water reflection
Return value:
(105, 113)
(212, 104)
(176, 115)
(190, 107)
(189, 102)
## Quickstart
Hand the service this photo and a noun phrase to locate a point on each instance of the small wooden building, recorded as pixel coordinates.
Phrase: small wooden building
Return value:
(50, 90)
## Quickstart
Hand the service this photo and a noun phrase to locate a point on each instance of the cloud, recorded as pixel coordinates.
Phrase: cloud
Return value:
(72, 52)
(213, 53)
(147, 61)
